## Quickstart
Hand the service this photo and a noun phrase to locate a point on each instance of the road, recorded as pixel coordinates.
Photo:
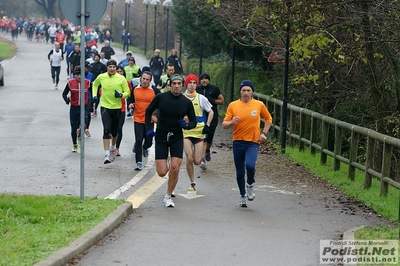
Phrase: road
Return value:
(283, 226)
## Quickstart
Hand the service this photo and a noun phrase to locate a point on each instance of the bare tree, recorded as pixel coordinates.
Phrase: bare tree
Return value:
(48, 7)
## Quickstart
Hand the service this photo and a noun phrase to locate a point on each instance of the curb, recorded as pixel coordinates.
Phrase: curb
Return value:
(349, 235)
(87, 240)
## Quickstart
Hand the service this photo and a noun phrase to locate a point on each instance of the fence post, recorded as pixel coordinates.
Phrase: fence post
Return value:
(387, 156)
(313, 136)
(302, 129)
(353, 154)
(292, 127)
(369, 161)
(275, 120)
(324, 141)
(338, 147)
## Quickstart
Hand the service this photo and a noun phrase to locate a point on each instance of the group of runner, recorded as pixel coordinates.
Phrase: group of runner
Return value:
(186, 121)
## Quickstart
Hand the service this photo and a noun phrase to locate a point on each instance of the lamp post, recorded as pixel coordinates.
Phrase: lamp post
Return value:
(146, 2)
(155, 3)
(167, 4)
(111, 19)
(285, 82)
(128, 2)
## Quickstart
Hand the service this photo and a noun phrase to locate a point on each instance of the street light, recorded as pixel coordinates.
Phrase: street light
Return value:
(285, 82)
(128, 2)
(155, 3)
(146, 2)
(111, 19)
(167, 4)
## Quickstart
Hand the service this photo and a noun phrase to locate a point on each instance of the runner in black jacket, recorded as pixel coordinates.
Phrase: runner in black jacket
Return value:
(173, 107)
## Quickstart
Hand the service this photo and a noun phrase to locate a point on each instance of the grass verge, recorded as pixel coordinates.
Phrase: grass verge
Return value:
(7, 49)
(34, 227)
(386, 206)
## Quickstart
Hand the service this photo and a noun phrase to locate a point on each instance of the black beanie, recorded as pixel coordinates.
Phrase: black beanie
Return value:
(246, 82)
(204, 76)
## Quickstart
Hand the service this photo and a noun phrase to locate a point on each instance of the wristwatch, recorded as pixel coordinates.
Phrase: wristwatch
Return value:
(264, 133)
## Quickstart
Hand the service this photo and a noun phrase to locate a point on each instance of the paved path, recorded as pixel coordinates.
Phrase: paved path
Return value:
(283, 226)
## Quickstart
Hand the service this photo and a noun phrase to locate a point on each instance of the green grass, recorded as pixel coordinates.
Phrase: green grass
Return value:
(34, 227)
(7, 49)
(380, 232)
(386, 206)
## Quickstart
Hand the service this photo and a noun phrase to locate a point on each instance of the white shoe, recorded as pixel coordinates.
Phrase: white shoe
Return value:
(107, 159)
(168, 202)
(203, 164)
(112, 155)
(250, 192)
(243, 201)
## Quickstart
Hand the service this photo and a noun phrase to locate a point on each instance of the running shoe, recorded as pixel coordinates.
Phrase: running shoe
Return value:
(54, 81)
(107, 159)
(112, 155)
(168, 202)
(95, 113)
(203, 164)
(192, 187)
(250, 192)
(56, 87)
(208, 156)
(138, 166)
(145, 152)
(87, 133)
(79, 141)
(116, 152)
(74, 148)
(133, 149)
(243, 201)
(173, 194)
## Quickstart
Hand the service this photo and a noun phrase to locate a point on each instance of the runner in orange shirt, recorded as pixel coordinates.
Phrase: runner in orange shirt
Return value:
(244, 115)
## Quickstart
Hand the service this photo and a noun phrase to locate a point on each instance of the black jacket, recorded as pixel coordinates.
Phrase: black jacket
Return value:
(156, 65)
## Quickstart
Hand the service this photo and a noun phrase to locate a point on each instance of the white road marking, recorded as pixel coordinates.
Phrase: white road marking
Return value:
(191, 195)
(271, 189)
(136, 178)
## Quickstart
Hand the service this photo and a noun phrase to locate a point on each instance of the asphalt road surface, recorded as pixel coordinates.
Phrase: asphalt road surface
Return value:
(282, 226)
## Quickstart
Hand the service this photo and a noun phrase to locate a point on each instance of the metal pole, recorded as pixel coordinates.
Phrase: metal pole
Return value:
(126, 15)
(82, 109)
(145, 30)
(129, 18)
(180, 46)
(111, 22)
(201, 59)
(166, 38)
(155, 23)
(285, 87)
(233, 71)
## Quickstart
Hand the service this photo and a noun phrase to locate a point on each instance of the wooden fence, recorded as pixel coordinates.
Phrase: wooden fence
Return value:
(306, 127)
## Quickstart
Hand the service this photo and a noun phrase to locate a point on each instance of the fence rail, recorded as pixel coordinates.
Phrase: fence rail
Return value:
(310, 128)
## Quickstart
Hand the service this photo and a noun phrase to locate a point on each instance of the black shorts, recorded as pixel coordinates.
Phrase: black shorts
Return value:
(172, 147)
(110, 119)
(194, 140)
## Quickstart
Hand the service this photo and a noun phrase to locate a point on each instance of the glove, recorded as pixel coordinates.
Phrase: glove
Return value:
(117, 94)
(67, 101)
(95, 99)
(182, 123)
(206, 129)
(150, 134)
(211, 100)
